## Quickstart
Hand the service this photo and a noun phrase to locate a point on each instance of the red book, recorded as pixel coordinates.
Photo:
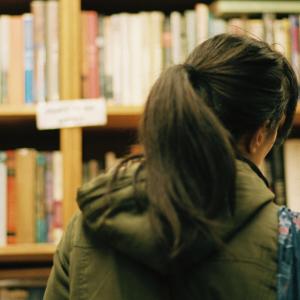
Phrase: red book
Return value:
(90, 70)
(11, 197)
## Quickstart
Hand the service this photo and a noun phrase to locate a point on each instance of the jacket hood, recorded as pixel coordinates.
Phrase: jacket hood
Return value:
(118, 220)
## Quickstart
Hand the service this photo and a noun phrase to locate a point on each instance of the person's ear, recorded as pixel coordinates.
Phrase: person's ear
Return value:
(257, 140)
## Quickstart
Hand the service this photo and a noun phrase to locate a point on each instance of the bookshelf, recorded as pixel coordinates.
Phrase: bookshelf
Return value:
(120, 118)
(27, 252)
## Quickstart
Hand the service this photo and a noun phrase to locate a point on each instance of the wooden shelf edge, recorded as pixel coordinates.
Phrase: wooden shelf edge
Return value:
(27, 253)
(17, 110)
(225, 8)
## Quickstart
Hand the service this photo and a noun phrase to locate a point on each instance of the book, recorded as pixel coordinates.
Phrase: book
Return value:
(190, 23)
(101, 51)
(278, 180)
(4, 57)
(57, 167)
(3, 199)
(40, 203)
(11, 196)
(156, 58)
(25, 195)
(38, 9)
(255, 29)
(90, 68)
(49, 197)
(28, 57)
(268, 19)
(175, 19)
(292, 173)
(167, 43)
(108, 59)
(52, 50)
(202, 22)
(16, 80)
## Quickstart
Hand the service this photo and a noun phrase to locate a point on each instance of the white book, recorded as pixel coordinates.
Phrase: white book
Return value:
(52, 50)
(57, 167)
(147, 51)
(3, 199)
(156, 62)
(202, 19)
(280, 36)
(176, 23)
(268, 19)
(190, 23)
(116, 58)
(236, 26)
(292, 173)
(4, 57)
(28, 57)
(126, 91)
(135, 41)
(38, 9)
(217, 26)
(108, 59)
(255, 29)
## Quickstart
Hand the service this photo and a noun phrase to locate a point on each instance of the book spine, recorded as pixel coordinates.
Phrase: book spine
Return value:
(57, 195)
(294, 23)
(3, 199)
(292, 172)
(49, 197)
(25, 195)
(268, 19)
(156, 23)
(16, 81)
(39, 16)
(278, 175)
(11, 197)
(4, 56)
(167, 43)
(175, 19)
(91, 85)
(41, 218)
(52, 51)
(28, 57)
(190, 23)
(101, 46)
(108, 58)
(202, 21)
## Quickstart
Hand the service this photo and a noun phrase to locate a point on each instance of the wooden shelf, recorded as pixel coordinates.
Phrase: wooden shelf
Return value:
(28, 253)
(123, 117)
(21, 111)
(119, 117)
(126, 117)
(229, 8)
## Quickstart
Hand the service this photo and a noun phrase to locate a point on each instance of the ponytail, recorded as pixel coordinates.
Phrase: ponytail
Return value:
(189, 159)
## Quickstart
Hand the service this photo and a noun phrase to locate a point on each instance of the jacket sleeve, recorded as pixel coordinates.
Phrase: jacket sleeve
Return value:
(58, 282)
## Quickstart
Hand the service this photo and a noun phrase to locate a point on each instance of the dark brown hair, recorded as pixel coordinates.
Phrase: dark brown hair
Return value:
(196, 112)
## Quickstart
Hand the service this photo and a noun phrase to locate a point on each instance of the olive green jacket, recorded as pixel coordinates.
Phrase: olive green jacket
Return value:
(119, 257)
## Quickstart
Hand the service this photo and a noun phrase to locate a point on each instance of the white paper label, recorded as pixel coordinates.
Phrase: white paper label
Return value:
(73, 113)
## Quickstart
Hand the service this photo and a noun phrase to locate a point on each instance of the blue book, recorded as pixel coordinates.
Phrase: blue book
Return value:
(28, 57)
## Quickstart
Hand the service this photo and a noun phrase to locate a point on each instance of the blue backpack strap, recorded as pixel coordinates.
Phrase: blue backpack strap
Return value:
(288, 277)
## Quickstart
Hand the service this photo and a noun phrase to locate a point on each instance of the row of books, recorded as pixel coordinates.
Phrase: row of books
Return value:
(22, 294)
(282, 169)
(93, 167)
(30, 196)
(124, 53)
(29, 55)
